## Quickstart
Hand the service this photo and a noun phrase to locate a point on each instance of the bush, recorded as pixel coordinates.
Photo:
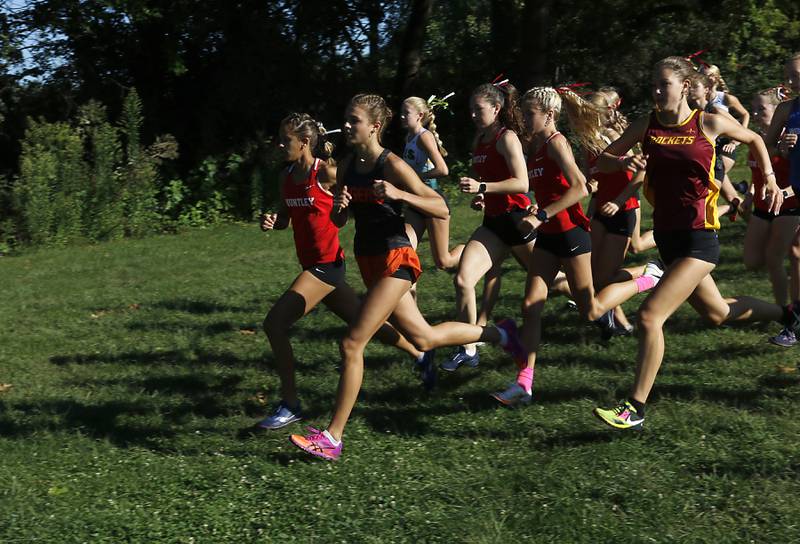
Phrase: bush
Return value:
(91, 180)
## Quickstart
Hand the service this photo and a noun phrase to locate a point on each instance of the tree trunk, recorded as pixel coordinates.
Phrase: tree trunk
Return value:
(533, 66)
(413, 43)
(504, 43)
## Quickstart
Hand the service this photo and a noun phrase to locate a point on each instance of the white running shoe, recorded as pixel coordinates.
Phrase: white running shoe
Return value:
(654, 269)
(515, 394)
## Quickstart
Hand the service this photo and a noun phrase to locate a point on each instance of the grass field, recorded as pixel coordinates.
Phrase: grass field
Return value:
(135, 366)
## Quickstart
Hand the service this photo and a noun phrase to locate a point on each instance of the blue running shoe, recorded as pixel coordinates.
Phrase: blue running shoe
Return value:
(281, 417)
(786, 338)
(459, 358)
(427, 370)
(608, 327)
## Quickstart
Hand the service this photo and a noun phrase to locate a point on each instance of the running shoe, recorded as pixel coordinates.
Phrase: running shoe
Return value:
(513, 346)
(513, 395)
(607, 324)
(655, 269)
(791, 314)
(459, 358)
(622, 416)
(317, 444)
(571, 305)
(282, 416)
(427, 370)
(786, 338)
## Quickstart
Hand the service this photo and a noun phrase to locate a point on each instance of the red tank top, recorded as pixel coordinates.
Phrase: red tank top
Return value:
(680, 175)
(316, 238)
(549, 185)
(611, 184)
(781, 168)
(491, 166)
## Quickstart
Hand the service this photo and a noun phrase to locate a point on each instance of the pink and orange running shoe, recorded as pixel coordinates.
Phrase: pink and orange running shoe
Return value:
(317, 444)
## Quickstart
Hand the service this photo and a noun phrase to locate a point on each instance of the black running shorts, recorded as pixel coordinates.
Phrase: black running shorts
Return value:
(680, 244)
(564, 245)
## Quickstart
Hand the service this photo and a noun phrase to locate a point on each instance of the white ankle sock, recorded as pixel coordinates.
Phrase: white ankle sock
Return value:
(331, 438)
(420, 357)
(470, 350)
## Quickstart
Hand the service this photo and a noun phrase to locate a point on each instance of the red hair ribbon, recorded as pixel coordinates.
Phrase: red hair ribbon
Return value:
(561, 89)
(497, 82)
(695, 57)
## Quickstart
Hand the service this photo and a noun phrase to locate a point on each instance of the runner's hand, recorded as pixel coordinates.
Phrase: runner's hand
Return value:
(268, 221)
(342, 199)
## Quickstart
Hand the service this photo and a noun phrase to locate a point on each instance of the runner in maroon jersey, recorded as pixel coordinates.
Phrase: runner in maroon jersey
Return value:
(307, 202)
(679, 157)
(373, 184)
(563, 239)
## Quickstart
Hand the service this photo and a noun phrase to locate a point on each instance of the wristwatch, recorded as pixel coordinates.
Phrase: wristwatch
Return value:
(481, 188)
(541, 215)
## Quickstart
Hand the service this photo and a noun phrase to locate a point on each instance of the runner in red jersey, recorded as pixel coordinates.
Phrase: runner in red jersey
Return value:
(677, 142)
(500, 184)
(616, 217)
(563, 239)
(782, 141)
(609, 98)
(769, 237)
(374, 184)
(306, 202)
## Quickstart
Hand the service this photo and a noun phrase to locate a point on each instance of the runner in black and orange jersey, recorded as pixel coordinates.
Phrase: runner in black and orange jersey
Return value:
(500, 184)
(307, 202)
(563, 239)
(374, 184)
(679, 157)
(769, 237)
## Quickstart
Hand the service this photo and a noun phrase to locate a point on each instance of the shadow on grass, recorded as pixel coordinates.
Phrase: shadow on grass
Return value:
(100, 420)
(187, 358)
(202, 307)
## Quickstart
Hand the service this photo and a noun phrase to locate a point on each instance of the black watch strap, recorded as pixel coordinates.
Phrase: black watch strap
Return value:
(481, 188)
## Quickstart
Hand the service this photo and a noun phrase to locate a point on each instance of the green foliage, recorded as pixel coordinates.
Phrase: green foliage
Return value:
(51, 190)
(105, 217)
(90, 180)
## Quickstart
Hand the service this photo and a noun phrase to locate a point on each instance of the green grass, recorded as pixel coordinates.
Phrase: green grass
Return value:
(134, 369)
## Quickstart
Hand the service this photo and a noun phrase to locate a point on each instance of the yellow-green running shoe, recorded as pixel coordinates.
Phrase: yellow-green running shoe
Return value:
(622, 416)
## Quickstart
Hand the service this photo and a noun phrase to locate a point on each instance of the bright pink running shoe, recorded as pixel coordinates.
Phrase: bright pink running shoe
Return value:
(513, 347)
(317, 444)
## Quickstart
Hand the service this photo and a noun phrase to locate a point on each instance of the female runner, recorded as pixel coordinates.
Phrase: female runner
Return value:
(499, 165)
(640, 242)
(769, 237)
(563, 239)
(425, 154)
(720, 98)
(781, 140)
(307, 202)
(374, 184)
(677, 142)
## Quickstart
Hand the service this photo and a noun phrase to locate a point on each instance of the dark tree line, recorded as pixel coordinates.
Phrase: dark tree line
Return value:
(219, 75)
